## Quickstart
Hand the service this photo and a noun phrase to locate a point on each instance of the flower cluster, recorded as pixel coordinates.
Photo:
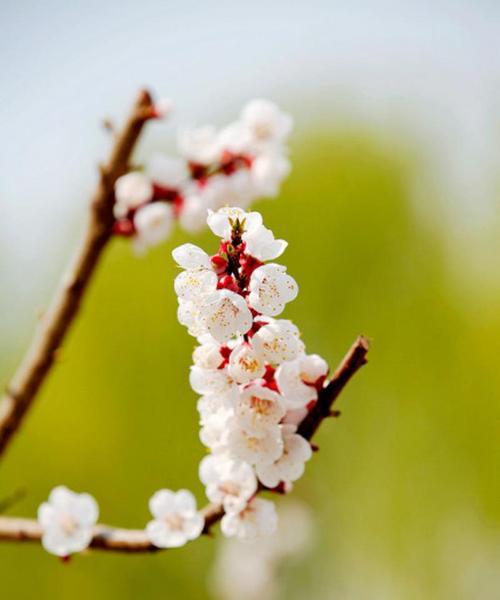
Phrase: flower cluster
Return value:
(243, 161)
(256, 384)
(251, 370)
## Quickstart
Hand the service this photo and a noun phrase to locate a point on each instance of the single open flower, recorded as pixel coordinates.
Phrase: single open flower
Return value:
(278, 341)
(67, 520)
(258, 518)
(176, 520)
(258, 407)
(227, 482)
(270, 289)
(244, 363)
(226, 314)
(252, 446)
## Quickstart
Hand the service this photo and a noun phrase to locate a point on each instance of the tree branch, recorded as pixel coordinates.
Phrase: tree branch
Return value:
(39, 359)
(135, 540)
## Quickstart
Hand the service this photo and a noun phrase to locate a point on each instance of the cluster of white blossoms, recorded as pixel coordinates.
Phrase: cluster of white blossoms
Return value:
(251, 370)
(233, 166)
(256, 384)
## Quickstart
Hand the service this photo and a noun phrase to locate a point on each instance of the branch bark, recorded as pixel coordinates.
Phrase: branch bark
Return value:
(38, 361)
(135, 540)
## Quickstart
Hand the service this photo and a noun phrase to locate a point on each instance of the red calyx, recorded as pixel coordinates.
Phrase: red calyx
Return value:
(124, 227)
(227, 282)
(178, 203)
(231, 162)
(268, 377)
(249, 264)
(161, 192)
(310, 405)
(280, 488)
(219, 264)
(226, 353)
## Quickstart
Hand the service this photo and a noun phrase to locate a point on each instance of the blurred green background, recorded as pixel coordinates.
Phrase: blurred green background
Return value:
(405, 489)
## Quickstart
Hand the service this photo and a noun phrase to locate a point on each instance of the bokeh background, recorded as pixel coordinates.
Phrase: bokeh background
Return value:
(391, 213)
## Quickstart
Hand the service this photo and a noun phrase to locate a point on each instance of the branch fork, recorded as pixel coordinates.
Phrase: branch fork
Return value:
(55, 323)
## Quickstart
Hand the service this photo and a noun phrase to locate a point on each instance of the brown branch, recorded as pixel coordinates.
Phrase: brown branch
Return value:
(39, 359)
(134, 540)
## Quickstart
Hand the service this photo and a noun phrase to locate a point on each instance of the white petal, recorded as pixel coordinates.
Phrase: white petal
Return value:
(162, 536)
(153, 223)
(132, 190)
(189, 256)
(167, 171)
(193, 284)
(261, 244)
(295, 392)
(161, 503)
(184, 501)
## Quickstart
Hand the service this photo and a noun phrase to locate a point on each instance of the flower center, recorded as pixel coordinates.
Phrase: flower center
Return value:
(68, 524)
(260, 406)
(229, 488)
(174, 521)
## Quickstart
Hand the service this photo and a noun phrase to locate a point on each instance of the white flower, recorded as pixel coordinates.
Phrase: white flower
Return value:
(236, 137)
(214, 430)
(176, 520)
(153, 223)
(131, 190)
(208, 356)
(199, 145)
(166, 171)
(211, 404)
(295, 380)
(312, 367)
(237, 189)
(266, 121)
(188, 314)
(226, 314)
(189, 256)
(194, 284)
(244, 364)
(295, 416)
(67, 520)
(268, 172)
(220, 221)
(254, 447)
(211, 381)
(291, 464)
(260, 243)
(257, 519)
(193, 213)
(278, 341)
(270, 289)
(258, 407)
(227, 482)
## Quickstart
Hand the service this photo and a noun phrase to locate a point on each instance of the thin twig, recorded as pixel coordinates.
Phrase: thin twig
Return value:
(39, 359)
(134, 540)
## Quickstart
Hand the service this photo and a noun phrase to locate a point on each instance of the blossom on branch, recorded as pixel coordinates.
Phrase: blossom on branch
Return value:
(176, 520)
(255, 379)
(236, 165)
(67, 520)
